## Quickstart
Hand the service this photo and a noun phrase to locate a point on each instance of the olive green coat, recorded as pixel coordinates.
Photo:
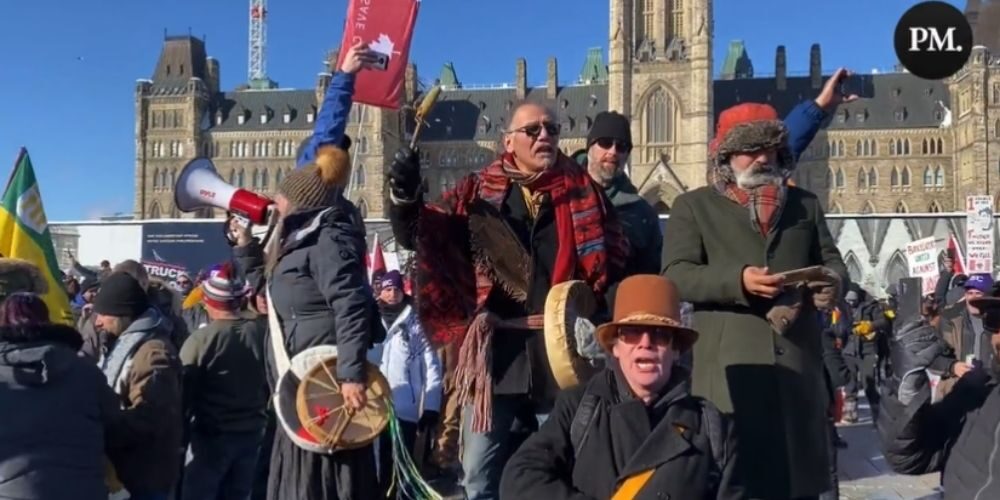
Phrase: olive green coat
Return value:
(773, 384)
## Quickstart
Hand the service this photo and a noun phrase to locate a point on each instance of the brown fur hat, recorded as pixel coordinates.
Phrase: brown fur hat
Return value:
(19, 275)
(751, 127)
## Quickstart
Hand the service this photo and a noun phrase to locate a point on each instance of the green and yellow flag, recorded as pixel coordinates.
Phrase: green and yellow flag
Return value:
(24, 234)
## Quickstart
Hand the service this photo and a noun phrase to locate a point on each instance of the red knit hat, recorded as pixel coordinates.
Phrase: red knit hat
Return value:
(750, 127)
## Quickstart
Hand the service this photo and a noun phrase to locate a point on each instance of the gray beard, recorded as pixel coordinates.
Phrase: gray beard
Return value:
(755, 177)
(599, 174)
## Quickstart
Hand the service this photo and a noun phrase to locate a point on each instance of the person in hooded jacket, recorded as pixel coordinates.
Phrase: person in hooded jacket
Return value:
(58, 412)
(412, 368)
(314, 269)
(959, 435)
(141, 365)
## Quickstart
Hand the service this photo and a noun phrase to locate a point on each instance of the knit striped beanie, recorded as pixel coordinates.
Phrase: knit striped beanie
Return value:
(223, 289)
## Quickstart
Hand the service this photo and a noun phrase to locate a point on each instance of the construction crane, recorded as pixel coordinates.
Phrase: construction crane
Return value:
(258, 45)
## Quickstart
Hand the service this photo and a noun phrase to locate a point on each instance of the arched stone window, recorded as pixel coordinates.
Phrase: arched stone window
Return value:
(904, 176)
(154, 210)
(853, 267)
(896, 269)
(658, 122)
(872, 177)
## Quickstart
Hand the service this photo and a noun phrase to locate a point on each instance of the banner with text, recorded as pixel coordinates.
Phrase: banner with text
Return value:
(387, 27)
(979, 234)
(172, 248)
(922, 258)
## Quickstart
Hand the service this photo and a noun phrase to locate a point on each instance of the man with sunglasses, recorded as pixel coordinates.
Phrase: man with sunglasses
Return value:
(609, 144)
(633, 430)
(487, 254)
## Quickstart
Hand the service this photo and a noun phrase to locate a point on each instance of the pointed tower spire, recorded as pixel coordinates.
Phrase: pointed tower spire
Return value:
(737, 63)
(594, 69)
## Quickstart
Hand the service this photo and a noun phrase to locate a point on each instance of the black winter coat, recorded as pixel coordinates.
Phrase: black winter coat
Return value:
(625, 438)
(319, 288)
(641, 225)
(59, 417)
(958, 436)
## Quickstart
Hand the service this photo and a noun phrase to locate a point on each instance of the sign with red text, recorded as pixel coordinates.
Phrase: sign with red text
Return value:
(979, 234)
(387, 27)
(922, 256)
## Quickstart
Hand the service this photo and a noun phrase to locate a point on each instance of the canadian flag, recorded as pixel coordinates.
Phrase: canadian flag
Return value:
(958, 261)
(375, 261)
(387, 27)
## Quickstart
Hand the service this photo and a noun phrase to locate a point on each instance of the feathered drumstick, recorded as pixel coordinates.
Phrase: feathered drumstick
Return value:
(423, 111)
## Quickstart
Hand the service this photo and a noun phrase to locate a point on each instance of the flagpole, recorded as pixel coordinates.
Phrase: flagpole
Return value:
(354, 157)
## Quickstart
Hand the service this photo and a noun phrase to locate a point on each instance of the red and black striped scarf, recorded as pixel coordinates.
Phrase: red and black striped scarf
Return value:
(765, 203)
(451, 290)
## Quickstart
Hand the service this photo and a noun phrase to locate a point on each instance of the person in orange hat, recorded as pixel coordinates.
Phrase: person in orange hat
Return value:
(633, 430)
(760, 357)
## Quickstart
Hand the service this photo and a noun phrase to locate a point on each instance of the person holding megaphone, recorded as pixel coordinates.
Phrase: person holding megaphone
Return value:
(313, 272)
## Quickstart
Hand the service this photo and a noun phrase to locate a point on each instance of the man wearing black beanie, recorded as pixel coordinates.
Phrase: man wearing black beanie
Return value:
(141, 366)
(609, 144)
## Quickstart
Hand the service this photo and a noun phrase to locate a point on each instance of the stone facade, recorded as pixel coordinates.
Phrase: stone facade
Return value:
(914, 146)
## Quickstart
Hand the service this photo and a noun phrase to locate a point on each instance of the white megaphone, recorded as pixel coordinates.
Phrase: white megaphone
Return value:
(200, 186)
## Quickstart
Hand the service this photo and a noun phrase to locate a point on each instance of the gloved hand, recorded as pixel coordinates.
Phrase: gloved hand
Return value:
(911, 351)
(428, 421)
(586, 340)
(864, 329)
(404, 174)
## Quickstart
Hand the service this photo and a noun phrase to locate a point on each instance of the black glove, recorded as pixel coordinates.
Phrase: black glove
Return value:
(428, 421)
(404, 174)
(911, 351)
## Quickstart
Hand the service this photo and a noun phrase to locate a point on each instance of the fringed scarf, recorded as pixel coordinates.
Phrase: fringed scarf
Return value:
(453, 286)
(764, 203)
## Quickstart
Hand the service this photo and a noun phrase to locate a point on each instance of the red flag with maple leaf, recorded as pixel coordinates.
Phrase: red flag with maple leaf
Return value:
(387, 27)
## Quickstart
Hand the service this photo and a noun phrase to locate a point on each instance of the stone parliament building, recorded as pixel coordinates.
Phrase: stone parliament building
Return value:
(915, 146)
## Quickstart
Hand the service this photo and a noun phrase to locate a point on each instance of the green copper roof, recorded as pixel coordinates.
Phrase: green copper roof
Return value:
(448, 78)
(737, 63)
(594, 70)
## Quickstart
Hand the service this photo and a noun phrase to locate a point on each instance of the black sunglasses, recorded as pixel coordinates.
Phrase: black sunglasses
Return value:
(535, 129)
(620, 145)
(657, 335)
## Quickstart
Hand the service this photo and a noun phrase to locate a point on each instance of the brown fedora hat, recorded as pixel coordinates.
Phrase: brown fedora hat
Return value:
(647, 300)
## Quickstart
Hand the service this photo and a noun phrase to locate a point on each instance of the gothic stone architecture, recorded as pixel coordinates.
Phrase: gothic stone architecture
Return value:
(914, 146)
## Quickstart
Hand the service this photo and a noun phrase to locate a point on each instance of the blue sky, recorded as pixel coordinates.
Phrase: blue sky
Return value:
(69, 69)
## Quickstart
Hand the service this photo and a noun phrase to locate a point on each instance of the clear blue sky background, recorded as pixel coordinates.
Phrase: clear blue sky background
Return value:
(69, 68)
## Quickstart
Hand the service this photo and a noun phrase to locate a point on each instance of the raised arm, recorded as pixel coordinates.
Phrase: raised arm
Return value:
(804, 120)
(331, 120)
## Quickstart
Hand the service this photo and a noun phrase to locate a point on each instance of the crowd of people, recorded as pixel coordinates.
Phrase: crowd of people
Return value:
(184, 393)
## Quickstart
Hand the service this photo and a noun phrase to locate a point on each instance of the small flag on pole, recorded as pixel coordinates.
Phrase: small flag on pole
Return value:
(24, 234)
(376, 261)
